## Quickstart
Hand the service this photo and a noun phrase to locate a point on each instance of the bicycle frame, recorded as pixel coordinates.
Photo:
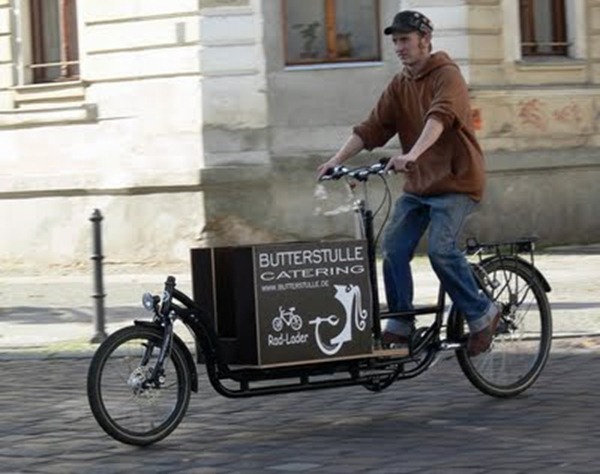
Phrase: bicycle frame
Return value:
(253, 342)
(376, 371)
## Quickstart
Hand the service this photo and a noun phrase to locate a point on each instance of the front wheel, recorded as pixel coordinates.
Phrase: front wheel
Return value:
(522, 342)
(125, 400)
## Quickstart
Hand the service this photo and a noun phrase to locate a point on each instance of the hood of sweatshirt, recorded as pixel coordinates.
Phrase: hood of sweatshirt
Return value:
(435, 61)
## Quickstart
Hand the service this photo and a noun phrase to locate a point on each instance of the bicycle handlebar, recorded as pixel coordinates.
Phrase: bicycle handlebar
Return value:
(361, 173)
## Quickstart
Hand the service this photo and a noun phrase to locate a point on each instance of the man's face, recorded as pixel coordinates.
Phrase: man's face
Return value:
(411, 48)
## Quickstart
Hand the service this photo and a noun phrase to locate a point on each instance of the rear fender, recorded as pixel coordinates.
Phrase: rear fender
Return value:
(542, 279)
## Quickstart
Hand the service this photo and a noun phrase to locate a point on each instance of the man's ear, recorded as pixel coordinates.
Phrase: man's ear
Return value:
(427, 41)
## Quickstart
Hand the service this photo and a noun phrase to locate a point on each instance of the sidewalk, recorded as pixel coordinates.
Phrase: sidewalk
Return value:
(55, 311)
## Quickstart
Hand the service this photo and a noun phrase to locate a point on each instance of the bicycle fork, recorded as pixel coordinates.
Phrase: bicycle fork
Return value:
(157, 377)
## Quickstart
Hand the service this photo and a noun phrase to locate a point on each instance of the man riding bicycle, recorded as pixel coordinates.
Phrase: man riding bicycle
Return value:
(427, 105)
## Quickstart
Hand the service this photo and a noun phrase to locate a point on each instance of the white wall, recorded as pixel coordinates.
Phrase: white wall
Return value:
(119, 139)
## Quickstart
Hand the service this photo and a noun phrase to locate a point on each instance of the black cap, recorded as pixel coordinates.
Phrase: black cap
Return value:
(407, 21)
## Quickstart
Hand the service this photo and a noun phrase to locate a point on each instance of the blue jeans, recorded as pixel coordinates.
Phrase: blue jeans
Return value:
(445, 216)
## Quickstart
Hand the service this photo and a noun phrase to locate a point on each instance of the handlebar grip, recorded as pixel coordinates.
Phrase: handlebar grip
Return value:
(385, 160)
(327, 175)
(334, 173)
(407, 167)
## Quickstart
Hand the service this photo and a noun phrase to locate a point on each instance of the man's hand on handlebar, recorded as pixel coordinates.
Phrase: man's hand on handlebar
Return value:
(400, 164)
(333, 170)
(326, 168)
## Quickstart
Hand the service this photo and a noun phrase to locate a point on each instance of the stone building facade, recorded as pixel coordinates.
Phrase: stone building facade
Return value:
(186, 126)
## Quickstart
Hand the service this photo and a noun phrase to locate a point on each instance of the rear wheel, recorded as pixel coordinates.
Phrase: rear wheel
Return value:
(124, 399)
(522, 342)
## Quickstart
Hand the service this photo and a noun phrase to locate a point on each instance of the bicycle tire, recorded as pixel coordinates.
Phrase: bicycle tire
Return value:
(520, 348)
(117, 398)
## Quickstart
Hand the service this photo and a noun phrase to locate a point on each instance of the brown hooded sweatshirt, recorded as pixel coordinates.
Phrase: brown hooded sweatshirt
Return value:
(454, 163)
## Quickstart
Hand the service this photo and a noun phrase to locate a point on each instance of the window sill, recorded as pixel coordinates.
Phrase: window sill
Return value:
(550, 64)
(341, 65)
(53, 103)
(37, 95)
(32, 117)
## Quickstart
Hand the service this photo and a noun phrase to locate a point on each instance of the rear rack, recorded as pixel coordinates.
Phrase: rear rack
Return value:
(511, 247)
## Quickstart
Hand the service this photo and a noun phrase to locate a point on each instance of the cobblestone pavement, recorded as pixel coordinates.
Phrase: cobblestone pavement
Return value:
(435, 423)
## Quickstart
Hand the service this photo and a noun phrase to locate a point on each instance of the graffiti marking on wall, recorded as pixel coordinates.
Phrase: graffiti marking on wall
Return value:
(569, 113)
(531, 112)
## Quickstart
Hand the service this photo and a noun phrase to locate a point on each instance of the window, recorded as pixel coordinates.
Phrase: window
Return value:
(543, 28)
(55, 50)
(326, 31)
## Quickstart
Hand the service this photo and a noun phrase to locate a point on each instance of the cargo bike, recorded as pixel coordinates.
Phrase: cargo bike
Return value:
(288, 317)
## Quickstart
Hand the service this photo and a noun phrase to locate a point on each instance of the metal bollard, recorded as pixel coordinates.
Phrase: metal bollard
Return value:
(99, 294)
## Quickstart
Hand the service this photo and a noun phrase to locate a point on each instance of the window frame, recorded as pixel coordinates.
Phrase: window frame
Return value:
(69, 62)
(332, 58)
(559, 43)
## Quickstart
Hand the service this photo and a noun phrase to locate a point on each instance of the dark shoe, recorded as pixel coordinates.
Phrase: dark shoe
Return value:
(480, 341)
(389, 339)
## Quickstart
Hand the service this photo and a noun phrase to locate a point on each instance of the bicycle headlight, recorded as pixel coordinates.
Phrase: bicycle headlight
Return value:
(148, 301)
